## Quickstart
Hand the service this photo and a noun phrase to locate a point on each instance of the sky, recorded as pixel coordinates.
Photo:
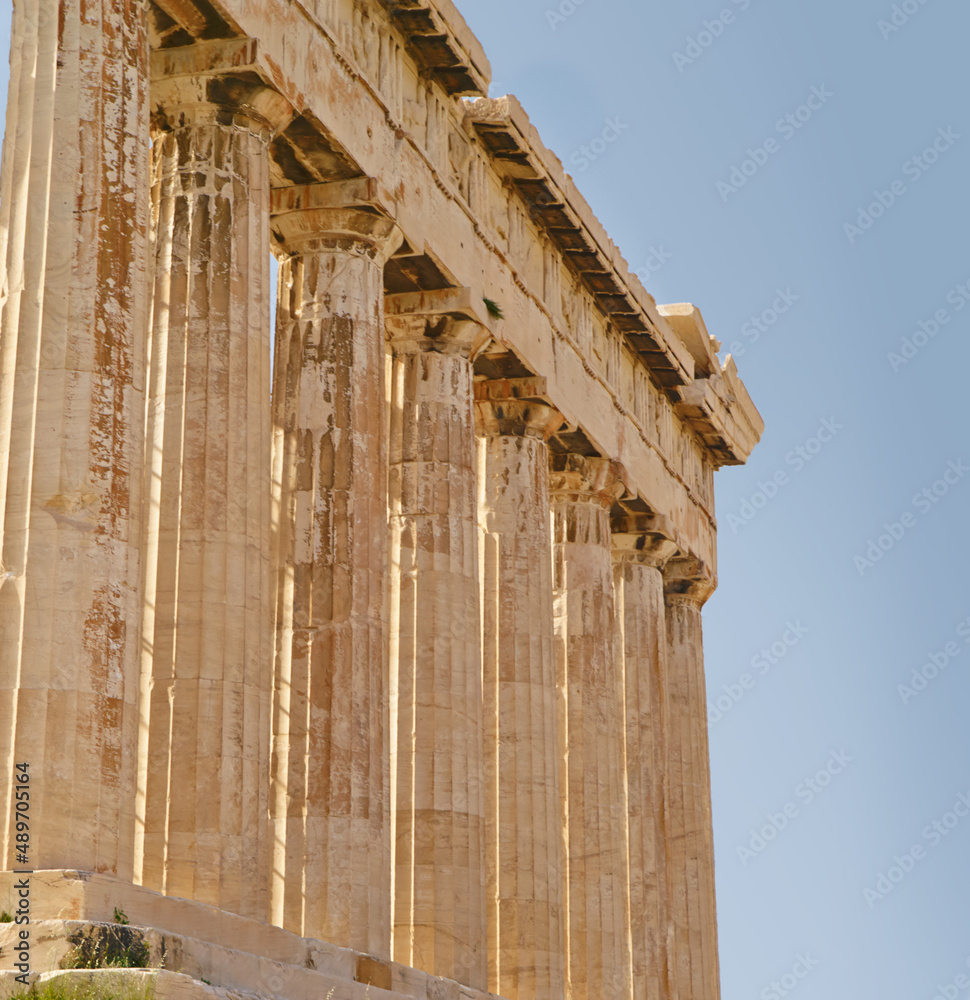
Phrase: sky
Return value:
(798, 172)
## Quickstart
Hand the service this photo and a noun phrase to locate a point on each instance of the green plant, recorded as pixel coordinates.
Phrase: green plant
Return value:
(70, 988)
(6, 917)
(494, 309)
(105, 946)
(120, 916)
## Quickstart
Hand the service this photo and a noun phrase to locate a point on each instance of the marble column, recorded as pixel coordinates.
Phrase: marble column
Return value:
(329, 801)
(436, 652)
(74, 246)
(207, 671)
(591, 730)
(641, 548)
(523, 831)
(690, 835)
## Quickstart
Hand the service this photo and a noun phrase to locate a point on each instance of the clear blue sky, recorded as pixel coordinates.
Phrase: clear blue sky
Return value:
(874, 432)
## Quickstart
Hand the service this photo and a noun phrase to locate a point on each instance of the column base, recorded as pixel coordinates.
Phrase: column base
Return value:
(194, 951)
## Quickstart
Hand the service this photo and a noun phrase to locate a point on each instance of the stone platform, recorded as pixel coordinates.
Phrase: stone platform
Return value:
(195, 950)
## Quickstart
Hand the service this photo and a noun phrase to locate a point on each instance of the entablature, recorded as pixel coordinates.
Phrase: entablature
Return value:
(483, 205)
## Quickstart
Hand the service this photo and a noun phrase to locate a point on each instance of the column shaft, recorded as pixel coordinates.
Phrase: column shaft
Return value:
(596, 867)
(690, 828)
(436, 657)
(75, 294)
(332, 870)
(209, 610)
(523, 830)
(642, 647)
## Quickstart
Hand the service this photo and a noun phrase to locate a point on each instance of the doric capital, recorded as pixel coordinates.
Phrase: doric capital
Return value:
(446, 321)
(215, 82)
(581, 479)
(515, 407)
(356, 216)
(643, 538)
(688, 581)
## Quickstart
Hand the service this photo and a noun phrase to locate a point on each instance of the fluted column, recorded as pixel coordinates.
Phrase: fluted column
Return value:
(690, 836)
(75, 293)
(641, 548)
(591, 727)
(330, 809)
(209, 605)
(523, 831)
(436, 653)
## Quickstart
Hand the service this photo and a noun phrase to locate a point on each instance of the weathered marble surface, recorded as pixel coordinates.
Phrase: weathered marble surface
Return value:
(591, 731)
(640, 553)
(523, 850)
(436, 642)
(74, 295)
(329, 799)
(204, 735)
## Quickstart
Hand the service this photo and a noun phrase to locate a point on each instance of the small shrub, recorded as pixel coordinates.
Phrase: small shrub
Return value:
(6, 917)
(108, 947)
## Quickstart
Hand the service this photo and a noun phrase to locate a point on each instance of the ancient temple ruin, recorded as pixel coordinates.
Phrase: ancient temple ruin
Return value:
(365, 662)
